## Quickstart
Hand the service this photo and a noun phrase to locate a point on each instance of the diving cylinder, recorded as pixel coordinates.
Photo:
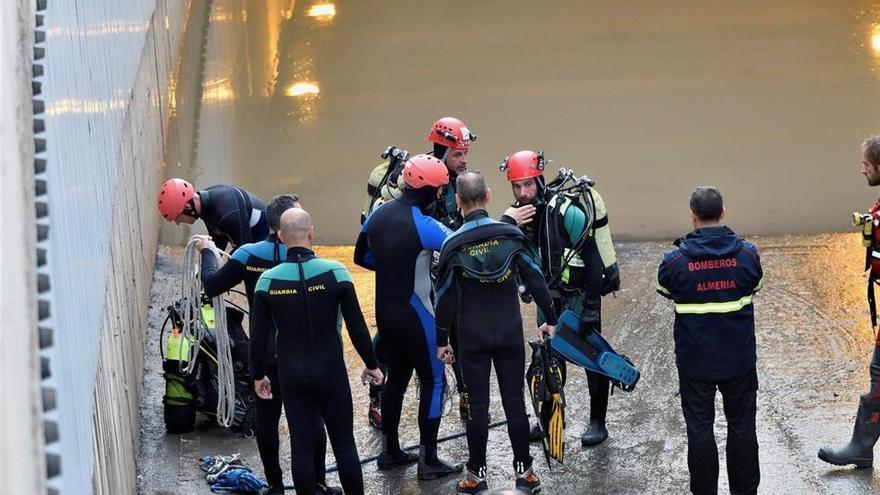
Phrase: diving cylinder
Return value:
(603, 233)
(179, 404)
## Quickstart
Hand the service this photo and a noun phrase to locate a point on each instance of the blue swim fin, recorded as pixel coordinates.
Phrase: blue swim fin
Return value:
(592, 352)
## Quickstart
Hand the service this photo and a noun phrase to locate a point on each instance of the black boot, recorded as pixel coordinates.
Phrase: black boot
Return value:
(432, 467)
(595, 434)
(535, 434)
(324, 489)
(860, 449)
(392, 456)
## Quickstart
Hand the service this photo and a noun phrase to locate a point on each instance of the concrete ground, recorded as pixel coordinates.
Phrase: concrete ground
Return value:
(814, 343)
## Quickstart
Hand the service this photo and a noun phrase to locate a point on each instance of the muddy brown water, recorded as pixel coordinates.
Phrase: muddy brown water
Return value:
(767, 100)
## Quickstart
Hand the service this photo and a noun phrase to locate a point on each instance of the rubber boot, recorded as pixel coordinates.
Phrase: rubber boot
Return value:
(527, 482)
(474, 483)
(535, 434)
(391, 458)
(273, 489)
(432, 467)
(860, 449)
(595, 434)
(329, 490)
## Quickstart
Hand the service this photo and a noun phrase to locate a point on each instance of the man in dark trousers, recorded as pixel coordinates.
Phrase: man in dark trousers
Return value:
(301, 304)
(577, 258)
(231, 214)
(246, 265)
(478, 299)
(712, 275)
(397, 241)
(860, 449)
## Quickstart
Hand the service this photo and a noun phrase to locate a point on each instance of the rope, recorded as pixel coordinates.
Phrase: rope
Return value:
(194, 328)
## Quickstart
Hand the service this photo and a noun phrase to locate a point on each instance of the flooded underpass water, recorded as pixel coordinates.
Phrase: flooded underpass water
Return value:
(767, 100)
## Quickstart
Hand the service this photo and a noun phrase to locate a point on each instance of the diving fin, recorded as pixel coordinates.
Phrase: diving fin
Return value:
(536, 379)
(592, 352)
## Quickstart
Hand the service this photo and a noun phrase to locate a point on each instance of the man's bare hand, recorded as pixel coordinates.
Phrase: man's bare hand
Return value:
(372, 377)
(546, 331)
(204, 242)
(445, 354)
(263, 388)
(522, 215)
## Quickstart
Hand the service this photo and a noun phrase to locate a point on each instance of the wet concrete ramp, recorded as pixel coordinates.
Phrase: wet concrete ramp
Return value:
(814, 343)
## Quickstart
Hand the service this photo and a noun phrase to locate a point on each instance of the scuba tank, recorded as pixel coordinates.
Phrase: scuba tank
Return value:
(384, 183)
(179, 407)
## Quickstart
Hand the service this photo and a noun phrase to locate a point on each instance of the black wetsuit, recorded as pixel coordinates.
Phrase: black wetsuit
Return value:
(301, 304)
(397, 241)
(233, 215)
(247, 264)
(478, 299)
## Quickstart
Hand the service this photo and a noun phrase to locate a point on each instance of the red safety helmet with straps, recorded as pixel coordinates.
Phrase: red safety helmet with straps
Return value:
(174, 198)
(425, 171)
(452, 133)
(525, 164)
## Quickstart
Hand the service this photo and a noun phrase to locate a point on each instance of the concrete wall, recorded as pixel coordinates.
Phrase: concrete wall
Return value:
(22, 465)
(107, 91)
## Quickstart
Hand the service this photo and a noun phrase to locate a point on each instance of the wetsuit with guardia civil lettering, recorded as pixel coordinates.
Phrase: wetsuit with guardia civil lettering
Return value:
(246, 265)
(478, 298)
(302, 303)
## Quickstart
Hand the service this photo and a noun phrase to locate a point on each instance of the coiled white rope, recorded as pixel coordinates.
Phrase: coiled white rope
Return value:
(194, 328)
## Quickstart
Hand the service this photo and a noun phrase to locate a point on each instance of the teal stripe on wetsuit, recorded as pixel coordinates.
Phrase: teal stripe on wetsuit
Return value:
(312, 268)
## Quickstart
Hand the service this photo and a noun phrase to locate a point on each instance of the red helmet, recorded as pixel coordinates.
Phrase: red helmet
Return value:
(174, 198)
(452, 133)
(523, 164)
(425, 171)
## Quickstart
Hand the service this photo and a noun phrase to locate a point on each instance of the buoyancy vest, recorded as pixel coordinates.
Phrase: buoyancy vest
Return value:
(871, 240)
(560, 257)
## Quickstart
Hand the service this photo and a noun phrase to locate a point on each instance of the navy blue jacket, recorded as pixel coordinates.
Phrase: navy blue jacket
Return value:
(712, 275)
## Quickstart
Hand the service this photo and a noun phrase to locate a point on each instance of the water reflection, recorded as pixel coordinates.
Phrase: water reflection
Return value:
(875, 40)
(324, 12)
(302, 88)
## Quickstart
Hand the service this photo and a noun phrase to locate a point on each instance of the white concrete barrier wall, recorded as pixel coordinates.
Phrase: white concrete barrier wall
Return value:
(21, 436)
(107, 71)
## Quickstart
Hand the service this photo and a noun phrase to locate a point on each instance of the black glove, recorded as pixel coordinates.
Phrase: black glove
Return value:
(610, 280)
(591, 318)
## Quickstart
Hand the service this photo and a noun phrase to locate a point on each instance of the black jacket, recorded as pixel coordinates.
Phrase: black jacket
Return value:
(712, 275)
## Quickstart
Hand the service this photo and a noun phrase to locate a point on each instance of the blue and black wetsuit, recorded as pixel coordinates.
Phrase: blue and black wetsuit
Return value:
(246, 265)
(478, 299)
(233, 215)
(397, 241)
(301, 304)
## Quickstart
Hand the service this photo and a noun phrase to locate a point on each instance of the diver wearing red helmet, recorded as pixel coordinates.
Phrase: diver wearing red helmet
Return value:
(577, 256)
(397, 242)
(451, 140)
(231, 214)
